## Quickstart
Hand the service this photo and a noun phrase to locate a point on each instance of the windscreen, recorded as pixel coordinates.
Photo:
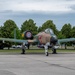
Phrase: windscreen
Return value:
(49, 31)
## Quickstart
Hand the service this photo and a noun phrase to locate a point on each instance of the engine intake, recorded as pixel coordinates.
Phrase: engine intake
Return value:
(27, 35)
(53, 40)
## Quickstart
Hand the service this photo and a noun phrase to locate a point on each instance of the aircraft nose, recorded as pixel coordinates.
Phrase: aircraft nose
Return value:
(53, 40)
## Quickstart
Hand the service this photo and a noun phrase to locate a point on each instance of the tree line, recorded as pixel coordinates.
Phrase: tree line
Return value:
(7, 29)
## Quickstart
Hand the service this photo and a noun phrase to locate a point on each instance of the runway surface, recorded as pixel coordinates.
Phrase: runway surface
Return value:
(38, 64)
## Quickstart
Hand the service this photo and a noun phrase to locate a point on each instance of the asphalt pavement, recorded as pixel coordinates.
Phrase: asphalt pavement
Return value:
(38, 64)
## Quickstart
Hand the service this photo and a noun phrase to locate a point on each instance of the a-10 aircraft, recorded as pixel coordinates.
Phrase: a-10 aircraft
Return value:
(46, 38)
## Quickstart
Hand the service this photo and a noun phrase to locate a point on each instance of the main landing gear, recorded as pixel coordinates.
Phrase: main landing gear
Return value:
(54, 50)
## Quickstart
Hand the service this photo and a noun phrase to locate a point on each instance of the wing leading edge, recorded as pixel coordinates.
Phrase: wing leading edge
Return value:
(66, 40)
(13, 40)
(26, 41)
(18, 40)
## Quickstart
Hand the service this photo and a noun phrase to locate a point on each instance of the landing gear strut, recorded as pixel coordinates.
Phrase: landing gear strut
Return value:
(46, 50)
(47, 53)
(54, 50)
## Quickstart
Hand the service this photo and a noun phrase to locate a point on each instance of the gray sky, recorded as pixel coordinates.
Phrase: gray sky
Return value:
(60, 11)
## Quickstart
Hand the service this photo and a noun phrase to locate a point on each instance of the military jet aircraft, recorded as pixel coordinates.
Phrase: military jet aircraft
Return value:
(46, 38)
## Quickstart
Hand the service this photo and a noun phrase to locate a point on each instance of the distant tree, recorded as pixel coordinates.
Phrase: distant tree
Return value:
(60, 35)
(0, 31)
(16, 33)
(8, 29)
(66, 30)
(49, 24)
(29, 25)
(39, 29)
(73, 32)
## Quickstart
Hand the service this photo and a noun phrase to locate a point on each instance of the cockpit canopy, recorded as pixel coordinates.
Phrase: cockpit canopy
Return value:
(49, 31)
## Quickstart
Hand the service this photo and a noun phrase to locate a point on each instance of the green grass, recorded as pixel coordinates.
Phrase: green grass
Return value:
(68, 50)
(32, 51)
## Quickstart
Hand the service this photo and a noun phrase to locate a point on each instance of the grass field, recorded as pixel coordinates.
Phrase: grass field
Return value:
(13, 51)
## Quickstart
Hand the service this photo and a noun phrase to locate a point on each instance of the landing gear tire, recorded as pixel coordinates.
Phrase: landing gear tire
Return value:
(54, 51)
(47, 53)
(23, 51)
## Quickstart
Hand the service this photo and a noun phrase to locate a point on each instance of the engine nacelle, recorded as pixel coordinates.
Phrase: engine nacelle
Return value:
(27, 35)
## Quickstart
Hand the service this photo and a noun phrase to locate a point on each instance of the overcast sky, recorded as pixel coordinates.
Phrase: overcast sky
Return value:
(60, 11)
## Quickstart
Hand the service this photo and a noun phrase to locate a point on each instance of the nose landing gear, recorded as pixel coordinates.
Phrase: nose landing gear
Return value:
(47, 53)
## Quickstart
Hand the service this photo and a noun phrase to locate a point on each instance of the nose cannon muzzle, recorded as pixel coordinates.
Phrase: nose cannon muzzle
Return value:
(53, 40)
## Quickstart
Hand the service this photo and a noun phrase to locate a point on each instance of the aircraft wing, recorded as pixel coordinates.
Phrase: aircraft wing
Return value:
(14, 40)
(18, 40)
(66, 40)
